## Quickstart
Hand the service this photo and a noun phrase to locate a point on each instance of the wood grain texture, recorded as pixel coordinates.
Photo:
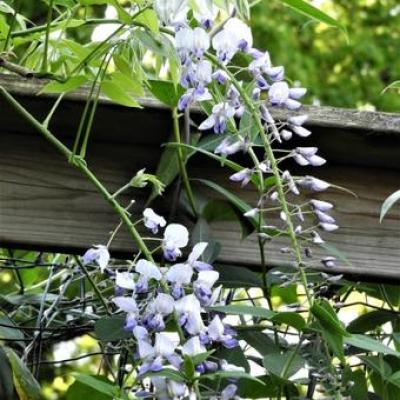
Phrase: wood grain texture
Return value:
(45, 203)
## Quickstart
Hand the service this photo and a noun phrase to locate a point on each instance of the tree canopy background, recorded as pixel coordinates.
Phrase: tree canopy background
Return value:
(343, 72)
(337, 72)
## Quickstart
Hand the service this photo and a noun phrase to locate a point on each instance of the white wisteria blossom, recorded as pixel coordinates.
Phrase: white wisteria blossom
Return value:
(176, 237)
(98, 254)
(234, 36)
(221, 113)
(147, 271)
(171, 12)
(125, 280)
(152, 220)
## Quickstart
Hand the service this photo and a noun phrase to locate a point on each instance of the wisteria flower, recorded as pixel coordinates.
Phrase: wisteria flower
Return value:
(164, 349)
(279, 93)
(205, 12)
(203, 286)
(124, 280)
(129, 306)
(193, 347)
(147, 271)
(153, 221)
(201, 42)
(195, 254)
(328, 227)
(307, 156)
(314, 184)
(235, 36)
(98, 254)
(179, 275)
(189, 311)
(227, 147)
(126, 304)
(162, 306)
(176, 237)
(229, 393)
(171, 12)
(220, 76)
(321, 205)
(221, 112)
(193, 95)
(243, 176)
(216, 333)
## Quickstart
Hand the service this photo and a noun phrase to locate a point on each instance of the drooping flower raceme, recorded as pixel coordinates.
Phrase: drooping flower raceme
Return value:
(268, 90)
(178, 294)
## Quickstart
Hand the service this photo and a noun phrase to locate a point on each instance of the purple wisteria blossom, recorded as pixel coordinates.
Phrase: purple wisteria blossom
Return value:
(176, 236)
(153, 221)
(221, 113)
(98, 254)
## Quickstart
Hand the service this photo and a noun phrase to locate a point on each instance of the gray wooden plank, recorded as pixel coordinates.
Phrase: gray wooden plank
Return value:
(45, 203)
(330, 117)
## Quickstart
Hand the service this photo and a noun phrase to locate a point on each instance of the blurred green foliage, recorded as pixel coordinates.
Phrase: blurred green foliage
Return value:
(337, 72)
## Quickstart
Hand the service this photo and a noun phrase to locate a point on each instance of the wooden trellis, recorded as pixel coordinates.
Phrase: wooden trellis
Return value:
(46, 204)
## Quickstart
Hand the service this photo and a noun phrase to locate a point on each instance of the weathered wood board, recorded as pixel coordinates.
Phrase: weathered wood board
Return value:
(45, 203)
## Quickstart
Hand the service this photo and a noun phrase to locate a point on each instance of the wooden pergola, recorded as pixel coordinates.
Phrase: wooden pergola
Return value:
(46, 204)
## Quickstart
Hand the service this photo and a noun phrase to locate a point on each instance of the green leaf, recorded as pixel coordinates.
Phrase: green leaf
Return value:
(202, 233)
(370, 344)
(116, 93)
(327, 317)
(291, 319)
(6, 377)
(335, 344)
(99, 384)
(248, 128)
(283, 365)
(166, 92)
(168, 166)
(128, 82)
(358, 390)
(188, 367)
(370, 321)
(271, 388)
(332, 329)
(388, 204)
(259, 341)
(149, 18)
(122, 14)
(224, 161)
(378, 365)
(395, 378)
(310, 11)
(63, 87)
(111, 329)
(242, 206)
(8, 332)
(230, 375)
(166, 373)
(234, 356)
(259, 312)
(80, 391)
(199, 358)
(233, 276)
(25, 384)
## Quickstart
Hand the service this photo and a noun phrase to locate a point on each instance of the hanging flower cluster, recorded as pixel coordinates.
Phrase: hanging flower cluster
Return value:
(154, 298)
(216, 83)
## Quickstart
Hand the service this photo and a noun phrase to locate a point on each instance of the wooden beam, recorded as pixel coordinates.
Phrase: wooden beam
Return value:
(44, 203)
